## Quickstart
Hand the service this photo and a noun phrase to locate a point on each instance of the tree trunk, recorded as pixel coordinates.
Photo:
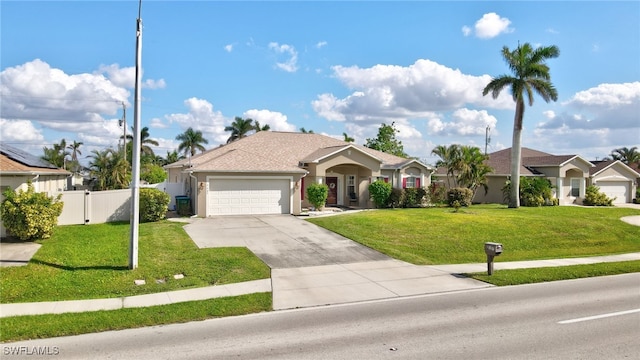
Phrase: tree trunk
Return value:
(516, 158)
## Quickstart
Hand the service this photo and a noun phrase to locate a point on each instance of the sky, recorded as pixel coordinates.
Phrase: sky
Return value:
(334, 67)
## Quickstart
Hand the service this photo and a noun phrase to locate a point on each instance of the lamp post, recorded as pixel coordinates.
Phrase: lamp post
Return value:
(135, 170)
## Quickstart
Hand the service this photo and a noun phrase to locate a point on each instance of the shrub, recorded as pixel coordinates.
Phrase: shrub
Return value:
(437, 193)
(317, 195)
(593, 197)
(380, 192)
(462, 195)
(396, 198)
(153, 174)
(535, 191)
(30, 215)
(414, 197)
(154, 204)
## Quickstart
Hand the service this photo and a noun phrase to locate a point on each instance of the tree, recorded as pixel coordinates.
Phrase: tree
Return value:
(190, 141)
(110, 168)
(305, 131)
(348, 138)
(449, 156)
(257, 127)
(239, 128)
(57, 154)
(530, 75)
(629, 156)
(75, 151)
(145, 141)
(465, 165)
(386, 141)
(172, 157)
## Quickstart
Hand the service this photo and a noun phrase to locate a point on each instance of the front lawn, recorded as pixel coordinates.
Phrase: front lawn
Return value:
(442, 236)
(91, 261)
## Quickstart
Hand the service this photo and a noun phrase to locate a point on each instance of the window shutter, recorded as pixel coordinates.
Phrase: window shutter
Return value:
(386, 179)
(302, 189)
(417, 182)
(404, 183)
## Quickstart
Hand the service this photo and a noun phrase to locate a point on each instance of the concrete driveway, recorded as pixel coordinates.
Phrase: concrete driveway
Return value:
(17, 253)
(281, 241)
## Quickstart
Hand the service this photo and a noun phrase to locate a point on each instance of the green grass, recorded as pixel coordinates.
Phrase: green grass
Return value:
(45, 326)
(91, 261)
(527, 276)
(441, 236)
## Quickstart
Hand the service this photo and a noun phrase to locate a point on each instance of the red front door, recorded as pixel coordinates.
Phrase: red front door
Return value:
(332, 183)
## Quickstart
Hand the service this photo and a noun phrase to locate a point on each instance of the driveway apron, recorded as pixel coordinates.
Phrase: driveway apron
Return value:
(281, 241)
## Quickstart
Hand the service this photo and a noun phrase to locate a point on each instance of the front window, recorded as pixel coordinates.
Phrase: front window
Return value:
(575, 187)
(411, 182)
(351, 185)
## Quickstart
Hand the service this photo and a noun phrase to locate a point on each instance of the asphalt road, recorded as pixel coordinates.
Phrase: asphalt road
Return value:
(596, 318)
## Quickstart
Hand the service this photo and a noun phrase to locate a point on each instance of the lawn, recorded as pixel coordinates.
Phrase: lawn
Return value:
(91, 261)
(442, 236)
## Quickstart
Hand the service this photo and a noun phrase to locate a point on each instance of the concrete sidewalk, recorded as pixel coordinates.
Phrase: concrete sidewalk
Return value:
(318, 285)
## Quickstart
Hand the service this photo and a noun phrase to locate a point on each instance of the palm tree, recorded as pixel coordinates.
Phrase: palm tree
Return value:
(472, 169)
(239, 128)
(449, 159)
(110, 169)
(190, 142)
(348, 138)
(75, 151)
(629, 156)
(57, 154)
(172, 157)
(530, 75)
(145, 141)
(257, 127)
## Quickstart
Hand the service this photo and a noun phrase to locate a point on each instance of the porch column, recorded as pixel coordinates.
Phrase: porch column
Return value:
(583, 187)
(559, 190)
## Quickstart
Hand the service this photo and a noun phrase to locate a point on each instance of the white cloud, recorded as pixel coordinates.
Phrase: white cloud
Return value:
(466, 31)
(321, 44)
(20, 131)
(126, 77)
(465, 122)
(492, 25)
(394, 92)
(228, 48)
(157, 123)
(201, 116)
(154, 84)
(276, 120)
(290, 63)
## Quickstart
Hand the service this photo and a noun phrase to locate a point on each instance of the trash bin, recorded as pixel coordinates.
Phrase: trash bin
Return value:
(183, 205)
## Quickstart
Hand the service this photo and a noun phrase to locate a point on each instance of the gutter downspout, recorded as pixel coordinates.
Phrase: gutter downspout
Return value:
(195, 198)
(36, 186)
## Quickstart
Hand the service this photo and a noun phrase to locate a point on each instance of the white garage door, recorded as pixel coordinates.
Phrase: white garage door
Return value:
(615, 189)
(248, 196)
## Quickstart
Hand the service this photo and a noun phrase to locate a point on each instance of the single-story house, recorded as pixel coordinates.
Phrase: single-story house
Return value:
(569, 174)
(268, 173)
(18, 167)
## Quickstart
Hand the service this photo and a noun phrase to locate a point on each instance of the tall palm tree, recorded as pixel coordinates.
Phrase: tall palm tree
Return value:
(629, 156)
(145, 141)
(110, 169)
(530, 75)
(472, 169)
(348, 138)
(75, 149)
(57, 154)
(239, 128)
(258, 127)
(190, 141)
(449, 159)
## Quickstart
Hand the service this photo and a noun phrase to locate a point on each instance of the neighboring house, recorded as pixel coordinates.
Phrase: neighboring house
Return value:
(18, 167)
(569, 174)
(268, 173)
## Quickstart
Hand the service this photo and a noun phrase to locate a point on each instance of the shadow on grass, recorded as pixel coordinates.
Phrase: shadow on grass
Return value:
(76, 268)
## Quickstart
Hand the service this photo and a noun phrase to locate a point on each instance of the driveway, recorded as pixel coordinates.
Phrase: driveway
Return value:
(281, 241)
(17, 253)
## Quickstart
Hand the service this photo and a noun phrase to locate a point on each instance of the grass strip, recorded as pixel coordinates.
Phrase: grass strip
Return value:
(52, 325)
(536, 275)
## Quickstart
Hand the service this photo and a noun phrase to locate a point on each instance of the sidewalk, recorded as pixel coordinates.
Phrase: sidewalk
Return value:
(318, 285)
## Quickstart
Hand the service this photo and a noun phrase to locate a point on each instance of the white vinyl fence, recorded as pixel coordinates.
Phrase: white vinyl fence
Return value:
(96, 207)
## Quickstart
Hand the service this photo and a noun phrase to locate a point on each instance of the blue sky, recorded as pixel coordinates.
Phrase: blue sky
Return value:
(327, 66)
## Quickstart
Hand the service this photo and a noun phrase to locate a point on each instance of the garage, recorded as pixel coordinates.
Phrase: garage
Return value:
(615, 189)
(229, 196)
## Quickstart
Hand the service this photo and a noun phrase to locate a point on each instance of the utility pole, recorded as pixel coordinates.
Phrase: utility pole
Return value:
(487, 139)
(135, 171)
(123, 123)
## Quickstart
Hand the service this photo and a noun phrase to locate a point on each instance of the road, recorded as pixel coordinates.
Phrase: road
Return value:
(596, 318)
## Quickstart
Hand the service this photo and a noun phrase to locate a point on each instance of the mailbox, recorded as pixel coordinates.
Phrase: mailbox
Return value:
(492, 249)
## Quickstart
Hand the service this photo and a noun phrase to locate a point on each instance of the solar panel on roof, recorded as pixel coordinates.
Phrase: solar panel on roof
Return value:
(24, 157)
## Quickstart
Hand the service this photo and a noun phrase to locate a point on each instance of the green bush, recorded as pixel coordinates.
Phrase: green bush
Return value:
(154, 204)
(536, 191)
(462, 195)
(317, 195)
(414, 197)
(396, 198)
(30, 215)
(593, 197)
(380, 192)
(437, 193)
(153, 174)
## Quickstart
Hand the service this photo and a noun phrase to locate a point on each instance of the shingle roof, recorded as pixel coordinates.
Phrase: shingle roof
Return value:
(273, 151)
(603, 164)
(14, 160)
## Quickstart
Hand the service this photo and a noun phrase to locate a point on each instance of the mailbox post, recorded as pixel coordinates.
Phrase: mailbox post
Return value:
(492, 250)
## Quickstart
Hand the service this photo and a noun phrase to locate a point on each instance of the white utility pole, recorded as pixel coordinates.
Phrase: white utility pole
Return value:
(135, 170)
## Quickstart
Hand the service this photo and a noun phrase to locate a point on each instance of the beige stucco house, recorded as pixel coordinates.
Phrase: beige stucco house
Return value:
(569, 174)
(18, 167)
(268, 173)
